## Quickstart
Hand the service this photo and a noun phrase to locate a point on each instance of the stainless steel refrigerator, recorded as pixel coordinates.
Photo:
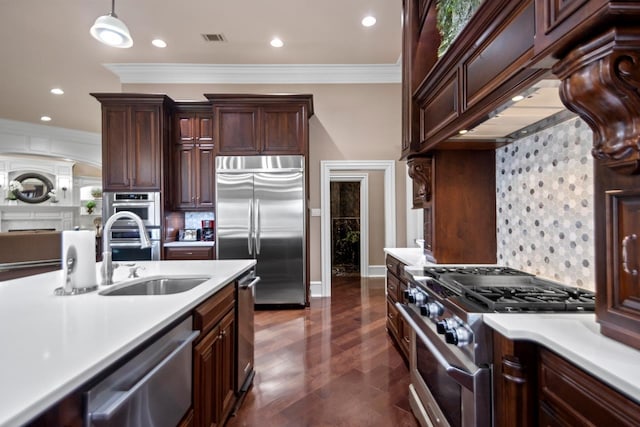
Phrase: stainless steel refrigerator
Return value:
(260, 214)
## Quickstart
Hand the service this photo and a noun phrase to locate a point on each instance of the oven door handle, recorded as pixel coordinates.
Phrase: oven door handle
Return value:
(462, 377)
(135, 244)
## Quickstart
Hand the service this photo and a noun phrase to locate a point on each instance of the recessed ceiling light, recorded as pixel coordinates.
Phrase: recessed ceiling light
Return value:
(276, 42)
(45, 118)
(517, 98)
(368, 21)
(57, 91)
(462, 131)
(159, 43)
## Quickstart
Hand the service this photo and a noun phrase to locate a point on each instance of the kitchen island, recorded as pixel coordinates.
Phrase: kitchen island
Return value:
(52, 345)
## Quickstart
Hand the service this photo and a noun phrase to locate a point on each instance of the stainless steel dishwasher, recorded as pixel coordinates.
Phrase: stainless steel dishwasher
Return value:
(244, 321)
(153, 389)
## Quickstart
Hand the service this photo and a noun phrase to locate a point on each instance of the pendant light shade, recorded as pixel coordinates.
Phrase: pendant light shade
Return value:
(109, 30)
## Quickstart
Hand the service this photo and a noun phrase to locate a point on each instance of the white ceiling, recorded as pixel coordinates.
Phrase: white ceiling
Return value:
(46, 44)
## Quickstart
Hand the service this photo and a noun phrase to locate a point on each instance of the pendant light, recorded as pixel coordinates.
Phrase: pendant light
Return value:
(109, 30)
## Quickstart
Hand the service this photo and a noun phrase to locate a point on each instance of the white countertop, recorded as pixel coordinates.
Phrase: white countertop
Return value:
(577, 338)
(408, 256)
(53, 344)
(185, 243)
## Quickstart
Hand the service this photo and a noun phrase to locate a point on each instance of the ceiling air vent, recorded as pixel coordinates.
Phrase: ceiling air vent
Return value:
(214, 37)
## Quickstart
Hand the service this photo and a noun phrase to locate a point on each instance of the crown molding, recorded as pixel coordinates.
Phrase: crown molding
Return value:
(258, 73)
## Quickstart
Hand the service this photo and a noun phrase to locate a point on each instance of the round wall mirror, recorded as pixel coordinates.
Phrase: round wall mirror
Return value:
(35, 188)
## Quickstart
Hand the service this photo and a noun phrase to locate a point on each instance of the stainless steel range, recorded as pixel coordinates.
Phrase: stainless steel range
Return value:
(452, 348)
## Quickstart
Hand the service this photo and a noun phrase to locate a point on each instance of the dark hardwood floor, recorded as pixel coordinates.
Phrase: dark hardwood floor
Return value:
(332, 364)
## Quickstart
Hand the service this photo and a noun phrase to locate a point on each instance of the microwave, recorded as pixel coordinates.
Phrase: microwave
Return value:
(144, 204)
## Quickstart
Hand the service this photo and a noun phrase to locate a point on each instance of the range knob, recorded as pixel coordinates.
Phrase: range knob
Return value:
(420, 298)
(431, 310)
(442, 326)
(458, 336)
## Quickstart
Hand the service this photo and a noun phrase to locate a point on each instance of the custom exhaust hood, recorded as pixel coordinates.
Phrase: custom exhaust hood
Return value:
(536, 108)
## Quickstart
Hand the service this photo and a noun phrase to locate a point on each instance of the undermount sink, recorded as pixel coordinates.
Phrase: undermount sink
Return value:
(157, 285)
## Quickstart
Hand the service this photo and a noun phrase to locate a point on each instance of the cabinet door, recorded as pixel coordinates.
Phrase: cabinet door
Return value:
(206, 397)
(115, 151)
(185, 126)
(618, 309)
(237, 130)
(145, 148)
(227, 368)
(283, 129)
(185, 170)
(204, 131)
(205, 176)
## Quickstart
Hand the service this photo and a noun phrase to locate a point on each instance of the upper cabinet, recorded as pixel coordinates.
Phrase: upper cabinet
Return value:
(135, 129)
(261, 124)
(193, 158)
(506, 47)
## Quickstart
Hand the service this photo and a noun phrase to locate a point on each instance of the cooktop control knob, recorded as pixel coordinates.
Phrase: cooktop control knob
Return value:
(420, 298)
(458, 336)
(444, 325)
(431, 310)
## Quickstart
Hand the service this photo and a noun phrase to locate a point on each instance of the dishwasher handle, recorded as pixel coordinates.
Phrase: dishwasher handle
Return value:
(250, 285)
(106, 413)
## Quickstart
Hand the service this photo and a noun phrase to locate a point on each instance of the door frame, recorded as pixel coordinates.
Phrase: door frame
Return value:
(363, 179)
(326, 168)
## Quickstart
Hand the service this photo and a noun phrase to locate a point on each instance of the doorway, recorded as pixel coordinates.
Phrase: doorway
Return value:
(331, 170)
(349, 224)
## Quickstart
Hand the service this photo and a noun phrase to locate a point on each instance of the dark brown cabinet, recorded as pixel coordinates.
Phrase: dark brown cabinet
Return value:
(261, 124)
(134, 136)
(534, 386)
(572, 397)
(193, 159)
(456, 189)
(214, 359)
(396, 325)
(189, 253)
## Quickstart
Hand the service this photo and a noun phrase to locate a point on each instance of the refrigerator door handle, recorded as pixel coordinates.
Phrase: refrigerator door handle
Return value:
(250, 229)
(257, 227)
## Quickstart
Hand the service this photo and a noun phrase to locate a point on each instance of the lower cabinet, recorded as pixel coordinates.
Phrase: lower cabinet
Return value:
(572, 397)
(214, 360)
(534, 386)
(396, 326)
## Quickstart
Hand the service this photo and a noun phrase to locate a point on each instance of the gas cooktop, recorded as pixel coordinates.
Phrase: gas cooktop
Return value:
(504, 289)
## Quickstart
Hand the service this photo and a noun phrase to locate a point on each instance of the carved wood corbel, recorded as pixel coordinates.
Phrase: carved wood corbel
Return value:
(420, 173)
(600, 81)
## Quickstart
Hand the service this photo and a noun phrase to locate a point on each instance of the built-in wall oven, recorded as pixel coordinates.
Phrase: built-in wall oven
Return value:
(452, 348)
(144, 204)
(124, 234)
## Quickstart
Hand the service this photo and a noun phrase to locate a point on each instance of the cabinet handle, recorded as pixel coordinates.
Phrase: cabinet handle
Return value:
(390, 266)
(407, 339)
(628, 243)
(189, 253)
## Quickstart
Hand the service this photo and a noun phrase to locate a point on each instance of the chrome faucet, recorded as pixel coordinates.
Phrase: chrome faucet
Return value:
(106, 272)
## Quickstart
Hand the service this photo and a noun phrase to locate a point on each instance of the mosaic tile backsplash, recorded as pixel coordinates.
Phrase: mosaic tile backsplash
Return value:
(194, 219)
(544, 204)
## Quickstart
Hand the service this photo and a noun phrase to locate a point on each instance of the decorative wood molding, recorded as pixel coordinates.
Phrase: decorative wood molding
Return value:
(601, 83)
(420, 173)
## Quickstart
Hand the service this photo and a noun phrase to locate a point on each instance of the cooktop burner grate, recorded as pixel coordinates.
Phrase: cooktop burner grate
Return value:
(531, 298)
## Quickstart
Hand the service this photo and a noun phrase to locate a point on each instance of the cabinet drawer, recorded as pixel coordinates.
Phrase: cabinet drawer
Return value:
(395, 266)
(393, 287)
(570, 394)
(188, 253)
(210, 312)
(392, 319)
